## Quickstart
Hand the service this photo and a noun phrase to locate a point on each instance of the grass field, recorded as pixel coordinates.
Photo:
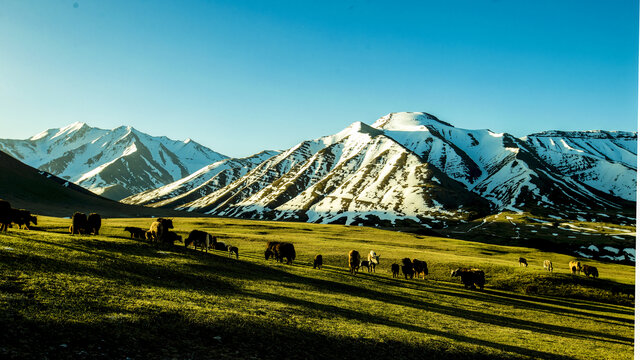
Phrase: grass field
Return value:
(108, 296)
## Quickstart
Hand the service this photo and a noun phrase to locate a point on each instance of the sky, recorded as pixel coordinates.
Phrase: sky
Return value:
(243, 76)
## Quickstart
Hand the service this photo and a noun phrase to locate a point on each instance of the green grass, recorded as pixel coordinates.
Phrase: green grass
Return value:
(108, 296)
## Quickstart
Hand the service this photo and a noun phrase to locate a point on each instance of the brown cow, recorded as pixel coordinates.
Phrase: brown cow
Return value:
(407, 268)
(22, 217)
(470, 277)
(78, 223)
(420, 267)
(136, 232)
(94, 222)
(285, 250)
(5, 215)
(231, 250)
(590, 270)
(395, 270)
(523, 262)
(200, 239)
(354, 261)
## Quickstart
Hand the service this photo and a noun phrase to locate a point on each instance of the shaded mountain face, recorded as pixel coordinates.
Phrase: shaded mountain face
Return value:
(46, 194)
(113, 163)
(415, 168)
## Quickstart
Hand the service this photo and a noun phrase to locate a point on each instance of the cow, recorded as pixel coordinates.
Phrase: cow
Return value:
(523, 262)
(78, 223)
(365, 264)
(22, 217)
(270, 250)
(470, 277)
(200, 239)
(231, 250)
(420, 267)
(158, 229)
(374, 260)
(354, 261)
(590, 270)
(575, 267)
(136, 232)
(171, 237)
(395, 270)
(317, 261)
(285, 250)
(547, 265)
(94, 222)
(407, 268)
(5, 215)
(219, 245)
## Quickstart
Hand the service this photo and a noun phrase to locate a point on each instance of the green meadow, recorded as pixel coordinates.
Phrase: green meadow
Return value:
(110, 296)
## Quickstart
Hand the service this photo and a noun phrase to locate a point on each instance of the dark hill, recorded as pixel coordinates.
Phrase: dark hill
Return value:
(46, 194)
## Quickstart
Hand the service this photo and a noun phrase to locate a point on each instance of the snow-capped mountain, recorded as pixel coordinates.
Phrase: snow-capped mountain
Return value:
(202, 182)
(113, 163)
(413, 167)
(604, 160)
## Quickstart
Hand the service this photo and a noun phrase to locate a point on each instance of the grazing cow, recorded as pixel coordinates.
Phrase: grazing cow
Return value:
(5, 215)
(232, 250)
(317, 262)
(395, 270)
(22, 217)
(590, 270)
(136, 232)
(374, 260)
(523, 262)
(420, 267)
(470, 277)
(78, 223)
(200, 239)
(407, 268)
(159, 228)
(285, 250)
(354, 261)
(171, 237)
(270, 250)
(365, 264)
(575, 267)
(547, 265)
(94, 222)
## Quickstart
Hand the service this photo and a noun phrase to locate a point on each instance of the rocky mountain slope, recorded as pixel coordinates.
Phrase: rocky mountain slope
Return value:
(113, 163)
(412, 167)
(202, 182)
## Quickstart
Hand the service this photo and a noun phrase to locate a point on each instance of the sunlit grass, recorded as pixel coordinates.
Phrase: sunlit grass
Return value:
(119, 297)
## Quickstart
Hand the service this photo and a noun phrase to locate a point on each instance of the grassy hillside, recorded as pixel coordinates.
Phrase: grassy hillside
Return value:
(44, 193)
(109, 296)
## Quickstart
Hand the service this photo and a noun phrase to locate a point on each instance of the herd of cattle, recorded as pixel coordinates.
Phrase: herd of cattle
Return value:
(160, 233)
(20, 217)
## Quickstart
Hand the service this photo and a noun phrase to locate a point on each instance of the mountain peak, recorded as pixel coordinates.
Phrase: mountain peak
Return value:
(407, 121)
(71, 128)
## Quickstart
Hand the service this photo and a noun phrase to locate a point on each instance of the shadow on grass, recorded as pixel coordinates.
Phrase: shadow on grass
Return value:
(167, 335)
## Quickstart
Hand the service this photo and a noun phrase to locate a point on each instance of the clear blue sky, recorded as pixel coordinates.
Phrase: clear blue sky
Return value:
(243, 76)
